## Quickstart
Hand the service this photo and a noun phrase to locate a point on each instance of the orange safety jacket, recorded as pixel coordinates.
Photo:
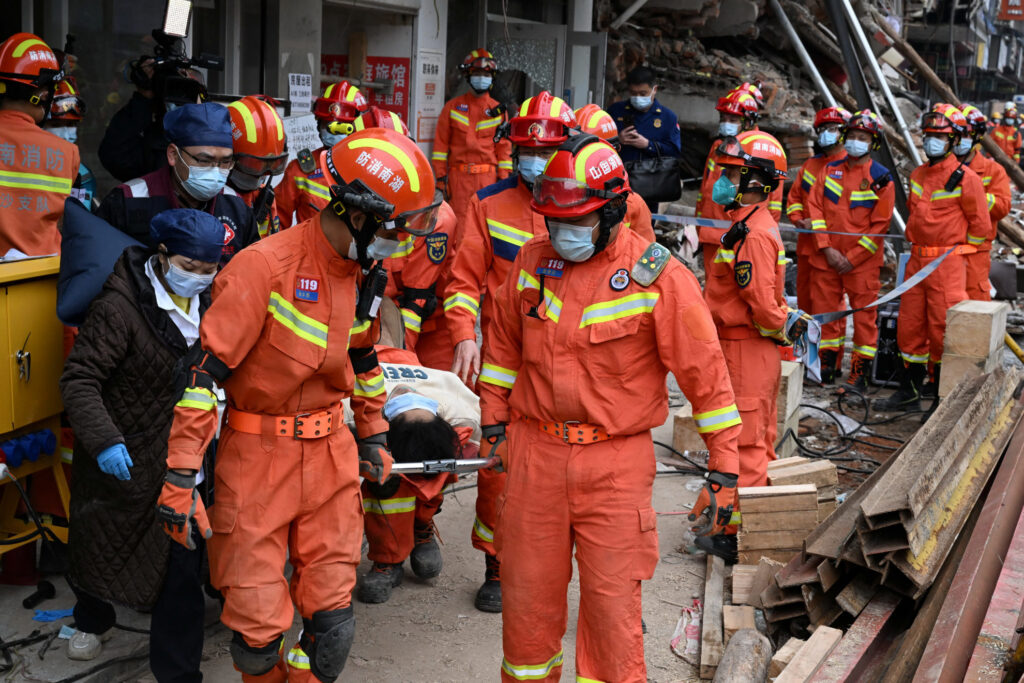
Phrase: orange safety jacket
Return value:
(301, 193)
(997, 195)
(941, 218)
(1009, 140)
(796, 202)
(283, 321)
(565, 338)
(465, 136)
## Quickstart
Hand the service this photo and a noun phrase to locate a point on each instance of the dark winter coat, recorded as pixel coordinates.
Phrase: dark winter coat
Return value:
(119, 386)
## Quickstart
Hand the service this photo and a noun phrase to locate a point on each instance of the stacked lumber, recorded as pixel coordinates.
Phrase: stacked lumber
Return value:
(800, 470)
(775, 521)
(973, 342)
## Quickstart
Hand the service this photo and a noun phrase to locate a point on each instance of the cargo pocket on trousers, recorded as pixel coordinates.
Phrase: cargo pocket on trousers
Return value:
(754, 424)
(222, 517)
(645, 554)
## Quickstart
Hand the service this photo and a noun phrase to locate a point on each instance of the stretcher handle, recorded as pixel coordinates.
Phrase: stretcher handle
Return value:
(459, 465)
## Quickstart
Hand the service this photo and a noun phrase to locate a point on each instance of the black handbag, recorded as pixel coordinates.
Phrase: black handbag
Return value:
(656, 179)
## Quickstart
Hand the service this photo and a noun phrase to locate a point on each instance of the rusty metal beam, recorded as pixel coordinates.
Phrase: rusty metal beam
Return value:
(862, 641)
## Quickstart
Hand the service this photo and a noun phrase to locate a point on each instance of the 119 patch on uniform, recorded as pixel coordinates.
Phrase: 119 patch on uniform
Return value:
(743, 272)
(307, 289)
(437, 247)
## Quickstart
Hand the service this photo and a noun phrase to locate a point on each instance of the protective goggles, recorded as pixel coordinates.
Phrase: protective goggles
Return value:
(550, 131)
(935, 121)
(67, 105)
(566, 192)
(341, 127)
(419, 222)
(731, 147)
(261, 166)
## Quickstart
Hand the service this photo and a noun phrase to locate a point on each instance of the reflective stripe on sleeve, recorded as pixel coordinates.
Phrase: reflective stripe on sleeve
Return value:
(411, 319)
(774, 205)
(458, 299)
(497, 375)
(916, 188)
(483, 531)
(724, 255)
(976, 241)
(389, 506)
(782, 258)
(313, 188)
(505, 165)
(714, 420)
(868, 244)
(198, 398)
(302, 325)
(990, 200)
(818, 224)
(912, 358)
(439, 156)
(531, 672)
(374, 386)
(793, 208)
(866, 351)
(605, 311)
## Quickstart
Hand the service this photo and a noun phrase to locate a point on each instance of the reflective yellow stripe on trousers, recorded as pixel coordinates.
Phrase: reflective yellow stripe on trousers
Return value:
(531, 672)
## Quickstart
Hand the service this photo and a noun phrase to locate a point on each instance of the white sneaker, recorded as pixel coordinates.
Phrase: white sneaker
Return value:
(84, 646)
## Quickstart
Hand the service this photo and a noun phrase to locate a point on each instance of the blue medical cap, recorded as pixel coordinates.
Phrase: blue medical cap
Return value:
(199, 125)
(190, 233)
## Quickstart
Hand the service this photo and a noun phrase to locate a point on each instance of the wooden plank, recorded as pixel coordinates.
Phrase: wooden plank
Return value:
(826, 493)
(742, 579)
(780, 555)
(768, 540)
(822, 608)
(819, 472)
(711, 625)
(858, 593)
(784, 655)
(962, 368)
(763, 577)
(828, 575)
(791, 389)
(771, 521)
(736, 617)
(847, 661)
(826, 508)
(798, 571)
(811, 655)
(782, 463)
(975, 328)
(778, 498)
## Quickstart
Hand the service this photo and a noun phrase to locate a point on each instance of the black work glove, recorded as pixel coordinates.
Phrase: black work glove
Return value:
(374, 459)
(495, 436)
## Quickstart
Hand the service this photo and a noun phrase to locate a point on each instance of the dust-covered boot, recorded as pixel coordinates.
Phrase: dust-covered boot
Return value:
(931, 387)
(376, 586)
(828, 365)
(488, 598)
(908, 396)
(860, 368)
(425, 558)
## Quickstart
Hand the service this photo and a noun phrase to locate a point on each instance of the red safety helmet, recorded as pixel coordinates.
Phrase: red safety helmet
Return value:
(1010, 111)
(375, 117)
(479, 59)
(754, 90)
(384, 174)
(832, 115)
(596, 121)
(581, 176)
(754, 150)
(867, 121)
(258, 137)
(340, 102)
(543, 120)
(975, 119)
(739, 103)
(26, 64)
(67, 104)
(944, 118)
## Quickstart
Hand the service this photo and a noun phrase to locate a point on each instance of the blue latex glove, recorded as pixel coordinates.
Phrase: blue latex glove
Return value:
(52, 614)
(115, 461)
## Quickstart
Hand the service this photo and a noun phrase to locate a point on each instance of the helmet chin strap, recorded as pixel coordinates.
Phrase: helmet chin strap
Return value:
(608, 217)
(361, 236)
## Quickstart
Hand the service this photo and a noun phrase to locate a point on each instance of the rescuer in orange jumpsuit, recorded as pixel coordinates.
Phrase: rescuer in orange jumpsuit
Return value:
(577, 309)
(287, 474)
(997, 192)
(465, 156)
(945, 209)
(744, 290)
(37, 169)
(854, 194)
(304, 191)
(829, 126)
(259, 140)
(738, 112)
(431, 415)
(1006, 134)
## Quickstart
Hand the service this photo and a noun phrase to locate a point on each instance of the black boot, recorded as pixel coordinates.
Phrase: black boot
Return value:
(425, 558)
(828, 365)
(908, 396)
(860, 368)
(722, 545)
(376, 586)
(931, 387)
(488, 598)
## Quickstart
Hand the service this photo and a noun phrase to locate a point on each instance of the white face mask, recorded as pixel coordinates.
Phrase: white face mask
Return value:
(378, 249)
(572, 242)
(69, 133)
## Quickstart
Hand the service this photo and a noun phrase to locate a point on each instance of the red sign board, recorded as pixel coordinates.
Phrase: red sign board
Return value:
(1011, 10)
(395, 69)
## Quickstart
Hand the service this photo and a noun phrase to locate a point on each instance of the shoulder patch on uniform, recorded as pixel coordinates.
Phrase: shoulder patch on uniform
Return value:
(437, 247)
(743, 271)
(497, 187)
(647, 269)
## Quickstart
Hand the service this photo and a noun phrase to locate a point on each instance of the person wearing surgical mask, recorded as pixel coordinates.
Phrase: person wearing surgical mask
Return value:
(120, 386)
(1006, 134)
(200, 157)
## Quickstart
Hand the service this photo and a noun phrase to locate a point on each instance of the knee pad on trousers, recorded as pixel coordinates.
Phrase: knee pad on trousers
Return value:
(326, 639)
(255, 661)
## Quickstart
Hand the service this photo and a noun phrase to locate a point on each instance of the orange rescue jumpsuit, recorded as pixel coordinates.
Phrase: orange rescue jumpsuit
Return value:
(499, 222)
(938, 220)
(1009, 140)
(465, 151)
(997, 194)
(301, 193)
(270, 224)
(282, 320)
(37, 170)
(744, 290)
(796, 211)
(844, 200)
(569, 353)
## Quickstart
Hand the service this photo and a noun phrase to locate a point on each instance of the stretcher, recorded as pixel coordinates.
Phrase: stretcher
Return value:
(458, 465)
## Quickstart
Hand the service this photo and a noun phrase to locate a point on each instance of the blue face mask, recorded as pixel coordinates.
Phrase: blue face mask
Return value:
(857, 148)
(572, 242)
(934, 148)
(203, 183)
(184, 283)
(827, 138)
(531, 166)
(963, 147)
(410, 400)
(726, 129)
(641, 102)
(480, 83)
(723, 192)
(331, 139)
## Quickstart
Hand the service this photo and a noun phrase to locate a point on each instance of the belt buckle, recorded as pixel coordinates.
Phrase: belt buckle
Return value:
(299, 421)
(565, 429)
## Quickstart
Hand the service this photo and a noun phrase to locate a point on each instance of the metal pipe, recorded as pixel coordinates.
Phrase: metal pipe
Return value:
(630, 11)
(441, 466)
(802, 52)
(865, 47)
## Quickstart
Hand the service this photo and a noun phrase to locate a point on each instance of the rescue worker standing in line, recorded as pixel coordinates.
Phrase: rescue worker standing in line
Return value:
(577, 310)
(1006, 133)
(259, 145)
(829, 126)
(997, 193)
(855, 194)
(287, 337)
(947, 206)
(744, 290)
(37, 169)
(304, 192)
(465, 157)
